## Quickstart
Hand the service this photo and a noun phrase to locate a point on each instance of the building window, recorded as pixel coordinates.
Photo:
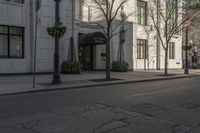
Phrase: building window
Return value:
(142, 49)
(11, 42)
(89, 17)
(81, 9)
(171, 50)
(86, 11)
(142, 12)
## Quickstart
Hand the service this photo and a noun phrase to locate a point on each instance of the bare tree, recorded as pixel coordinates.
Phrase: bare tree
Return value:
(110, 11)
(171, 21)
(149, 49)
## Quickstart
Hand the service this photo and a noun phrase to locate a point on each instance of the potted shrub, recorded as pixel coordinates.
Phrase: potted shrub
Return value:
(71, 67)
(120, 66)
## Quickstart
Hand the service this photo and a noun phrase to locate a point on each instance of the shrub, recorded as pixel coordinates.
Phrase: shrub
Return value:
(120, 66)
(71, 67)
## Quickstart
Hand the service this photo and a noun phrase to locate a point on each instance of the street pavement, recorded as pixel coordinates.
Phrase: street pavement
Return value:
(167, 106)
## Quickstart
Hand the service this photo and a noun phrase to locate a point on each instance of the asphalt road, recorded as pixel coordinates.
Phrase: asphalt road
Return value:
(169, 106)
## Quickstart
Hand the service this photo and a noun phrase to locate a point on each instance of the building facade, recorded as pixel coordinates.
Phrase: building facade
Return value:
(17, 26)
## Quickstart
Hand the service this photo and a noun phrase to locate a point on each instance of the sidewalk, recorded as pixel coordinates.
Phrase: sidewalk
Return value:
(23, 84)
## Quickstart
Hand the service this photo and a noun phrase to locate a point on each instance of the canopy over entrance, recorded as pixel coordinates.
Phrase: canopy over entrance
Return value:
(96, 38)
(92, 50)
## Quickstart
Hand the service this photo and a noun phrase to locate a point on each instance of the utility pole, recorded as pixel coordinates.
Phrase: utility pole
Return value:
(56, 73)
(37, 8)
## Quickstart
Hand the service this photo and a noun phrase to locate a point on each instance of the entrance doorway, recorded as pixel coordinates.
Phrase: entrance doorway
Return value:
(85, 58)
(92, 51)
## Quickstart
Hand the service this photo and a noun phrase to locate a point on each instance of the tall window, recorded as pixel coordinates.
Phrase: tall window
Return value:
(89, 10)
(11, 42)
(171, 50)
(86, 13)
(142, 49)
(142, 12)
(16, 1)
(81, 9)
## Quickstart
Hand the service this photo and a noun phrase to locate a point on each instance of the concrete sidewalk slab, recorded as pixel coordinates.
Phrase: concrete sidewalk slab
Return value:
(23, 83)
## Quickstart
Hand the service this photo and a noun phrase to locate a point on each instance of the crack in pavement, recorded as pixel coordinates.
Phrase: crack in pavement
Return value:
(32, 126)
(175, 128)
(192, 106)
(113, 120)
(119, 119)
(180, 128)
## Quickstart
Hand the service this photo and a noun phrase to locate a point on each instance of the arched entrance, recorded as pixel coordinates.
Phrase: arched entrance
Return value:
(92, 50)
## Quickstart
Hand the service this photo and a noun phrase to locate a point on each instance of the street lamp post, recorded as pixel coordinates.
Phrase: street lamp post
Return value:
(186, 52)
(71, 52)
(122, 40)
(56, 74)
(122, 37)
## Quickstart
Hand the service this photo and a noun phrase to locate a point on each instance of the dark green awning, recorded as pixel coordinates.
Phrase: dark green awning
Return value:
(96, 38)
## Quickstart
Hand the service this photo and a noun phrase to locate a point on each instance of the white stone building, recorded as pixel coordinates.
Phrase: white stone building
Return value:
(17, 20)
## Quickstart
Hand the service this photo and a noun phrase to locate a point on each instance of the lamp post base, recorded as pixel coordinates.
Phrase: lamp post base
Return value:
(186, 71)
(56, 79)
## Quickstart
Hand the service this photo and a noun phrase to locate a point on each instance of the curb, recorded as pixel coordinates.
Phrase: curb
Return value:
(98, 85)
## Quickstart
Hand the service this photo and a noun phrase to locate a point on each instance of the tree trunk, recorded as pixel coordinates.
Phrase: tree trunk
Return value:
(166, 62)
(146, 56)
(108, 77)
(158, 23)
(166, 50)
(148, 62)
